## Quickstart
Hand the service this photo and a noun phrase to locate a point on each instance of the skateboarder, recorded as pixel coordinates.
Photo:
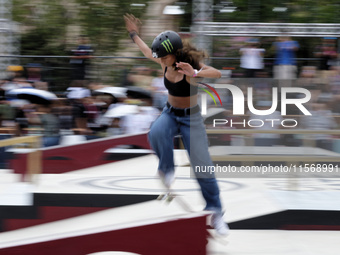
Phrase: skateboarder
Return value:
(181, 64)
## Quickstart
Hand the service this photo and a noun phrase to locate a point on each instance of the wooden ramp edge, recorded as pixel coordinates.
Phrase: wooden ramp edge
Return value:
(148, 228)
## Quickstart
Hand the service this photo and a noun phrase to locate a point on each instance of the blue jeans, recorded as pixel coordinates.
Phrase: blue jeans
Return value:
(50, 141)
(195, 140)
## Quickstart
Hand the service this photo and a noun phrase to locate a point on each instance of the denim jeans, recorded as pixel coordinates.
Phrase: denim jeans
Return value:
(194, 137)
(50, 141)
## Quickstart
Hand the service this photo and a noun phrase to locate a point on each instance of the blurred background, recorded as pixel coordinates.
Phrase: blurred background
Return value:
(45, 32)
(76, 93)
(75, 49)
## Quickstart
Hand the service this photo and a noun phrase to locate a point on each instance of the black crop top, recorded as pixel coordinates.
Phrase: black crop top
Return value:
(181, 88)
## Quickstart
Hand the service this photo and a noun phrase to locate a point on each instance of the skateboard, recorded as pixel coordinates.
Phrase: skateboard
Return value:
(216, 237)
(169, 196)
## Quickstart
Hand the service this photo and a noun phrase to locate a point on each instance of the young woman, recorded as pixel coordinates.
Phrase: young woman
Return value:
(181, 63)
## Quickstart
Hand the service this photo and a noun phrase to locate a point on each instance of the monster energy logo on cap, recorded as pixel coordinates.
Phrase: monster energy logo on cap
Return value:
(167, 46)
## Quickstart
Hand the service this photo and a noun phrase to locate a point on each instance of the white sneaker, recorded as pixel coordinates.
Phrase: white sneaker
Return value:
(167, 178)
(219, 225)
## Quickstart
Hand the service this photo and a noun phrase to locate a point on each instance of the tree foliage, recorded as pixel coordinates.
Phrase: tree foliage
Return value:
(103, 21)
(45, 23)
(298, 11)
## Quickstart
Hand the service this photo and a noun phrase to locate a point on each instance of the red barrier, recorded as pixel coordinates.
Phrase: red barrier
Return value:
(49, 214)
(61, 159)
(180, 237)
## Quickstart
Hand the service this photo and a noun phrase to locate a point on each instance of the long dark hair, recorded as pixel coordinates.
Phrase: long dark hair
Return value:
(190, 54)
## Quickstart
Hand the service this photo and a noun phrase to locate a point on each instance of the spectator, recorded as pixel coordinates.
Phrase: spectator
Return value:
(327, 53)
(334, 80)
(76, 96)
(79, 62)
(63, 110)
(252, 58)
(34, 72)
(7, 113)
(285, 68)
(114, 128)
(15, 78)
(49, 123)
(140, 121)
(321, 119)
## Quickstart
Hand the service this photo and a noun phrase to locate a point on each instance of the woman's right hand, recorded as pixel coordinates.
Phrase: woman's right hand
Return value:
(132, 23)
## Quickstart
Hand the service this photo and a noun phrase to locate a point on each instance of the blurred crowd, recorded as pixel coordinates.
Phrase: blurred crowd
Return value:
(321, 79)
(87, 109)
(94, 110)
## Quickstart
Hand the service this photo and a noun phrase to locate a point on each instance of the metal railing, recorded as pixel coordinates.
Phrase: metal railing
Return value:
(113, 70)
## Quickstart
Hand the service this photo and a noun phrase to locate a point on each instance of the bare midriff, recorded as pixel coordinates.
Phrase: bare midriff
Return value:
(182, 102)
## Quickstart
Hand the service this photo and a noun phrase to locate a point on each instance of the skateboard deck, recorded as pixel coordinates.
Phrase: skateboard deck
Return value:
(216, 237)
(169, 196)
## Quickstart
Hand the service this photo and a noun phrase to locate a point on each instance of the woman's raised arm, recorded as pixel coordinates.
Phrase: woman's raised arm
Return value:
(132, 25)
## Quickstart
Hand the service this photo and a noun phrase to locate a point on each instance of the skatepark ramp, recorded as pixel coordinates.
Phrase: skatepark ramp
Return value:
(149, 228)
(65, 158)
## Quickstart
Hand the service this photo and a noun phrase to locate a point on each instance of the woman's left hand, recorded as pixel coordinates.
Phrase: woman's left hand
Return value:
(185, 68)
(132, 23)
